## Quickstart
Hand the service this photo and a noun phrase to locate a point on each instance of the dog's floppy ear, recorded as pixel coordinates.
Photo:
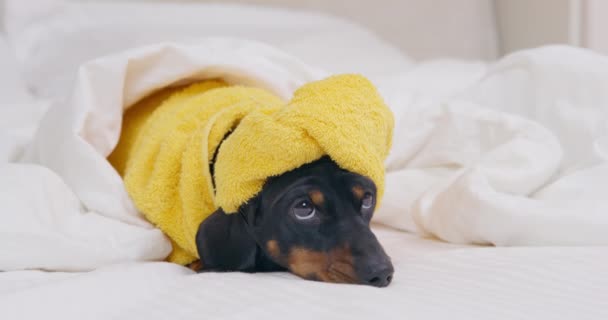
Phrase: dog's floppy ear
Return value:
(224, 243)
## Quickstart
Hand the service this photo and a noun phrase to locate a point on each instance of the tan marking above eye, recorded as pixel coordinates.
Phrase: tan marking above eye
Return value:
(272, 246)
(333, 266)
(317, 197)
(358, 191)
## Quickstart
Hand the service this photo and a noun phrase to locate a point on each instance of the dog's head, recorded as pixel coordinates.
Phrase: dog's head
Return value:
(313, 221)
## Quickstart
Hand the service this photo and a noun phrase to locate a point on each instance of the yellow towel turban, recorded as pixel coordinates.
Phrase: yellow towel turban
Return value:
(169, 139)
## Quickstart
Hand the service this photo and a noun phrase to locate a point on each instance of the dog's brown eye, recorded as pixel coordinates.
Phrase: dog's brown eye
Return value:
(367, 202)
(304, 210)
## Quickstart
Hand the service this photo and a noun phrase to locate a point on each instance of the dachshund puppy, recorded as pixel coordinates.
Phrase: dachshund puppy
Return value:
(313, 221)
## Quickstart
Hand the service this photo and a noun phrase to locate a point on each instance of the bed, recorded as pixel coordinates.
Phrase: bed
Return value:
(461, 248)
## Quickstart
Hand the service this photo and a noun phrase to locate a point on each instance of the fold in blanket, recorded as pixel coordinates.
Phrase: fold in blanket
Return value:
(169, 139)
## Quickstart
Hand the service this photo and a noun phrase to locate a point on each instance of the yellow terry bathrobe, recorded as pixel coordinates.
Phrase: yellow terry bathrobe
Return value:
(168, 141)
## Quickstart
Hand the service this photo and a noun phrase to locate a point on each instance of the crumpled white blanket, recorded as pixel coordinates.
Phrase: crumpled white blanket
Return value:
(510, 155)
(516, 157)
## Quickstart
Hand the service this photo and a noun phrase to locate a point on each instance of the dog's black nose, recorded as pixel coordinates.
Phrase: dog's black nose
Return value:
(379, 275)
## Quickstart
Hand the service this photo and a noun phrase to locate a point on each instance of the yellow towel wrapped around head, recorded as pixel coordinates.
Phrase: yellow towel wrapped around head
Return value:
(169, 139)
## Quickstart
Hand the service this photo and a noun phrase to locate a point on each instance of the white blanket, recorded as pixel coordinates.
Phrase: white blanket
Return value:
(511, 155)
(516, 157)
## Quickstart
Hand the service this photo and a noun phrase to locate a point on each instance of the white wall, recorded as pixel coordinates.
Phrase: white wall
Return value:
(530, 23)
(595, 25)
(1, 15)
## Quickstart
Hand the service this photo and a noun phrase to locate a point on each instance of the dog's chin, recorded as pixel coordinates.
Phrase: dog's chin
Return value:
(341, 273)
(334, 273)
(334, 266)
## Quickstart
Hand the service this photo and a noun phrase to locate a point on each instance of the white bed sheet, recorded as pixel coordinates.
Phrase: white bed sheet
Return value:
(433, 280)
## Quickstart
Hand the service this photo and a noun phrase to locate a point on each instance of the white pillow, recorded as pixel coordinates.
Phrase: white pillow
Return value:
(54, 37)
(12, 87)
